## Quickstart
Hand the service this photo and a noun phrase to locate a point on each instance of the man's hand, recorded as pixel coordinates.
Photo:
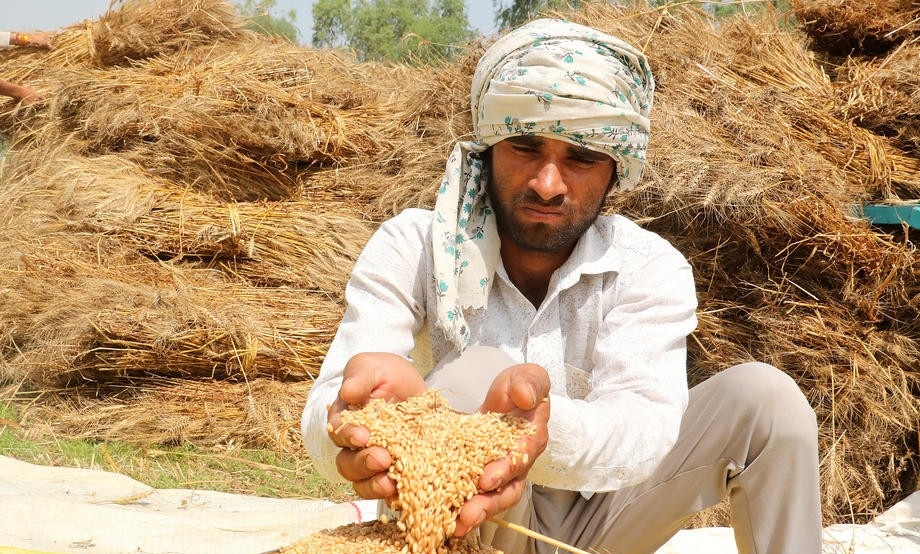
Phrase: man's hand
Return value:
(28, 96)
(366, 376)
(521, 390)
(38, 39)
(20, 93)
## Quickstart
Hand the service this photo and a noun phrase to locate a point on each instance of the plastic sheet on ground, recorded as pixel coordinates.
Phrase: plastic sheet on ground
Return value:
(63, 510)
(67, 510)
(897, 531)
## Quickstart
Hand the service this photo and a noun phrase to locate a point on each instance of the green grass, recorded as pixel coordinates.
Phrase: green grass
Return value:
(260, 472)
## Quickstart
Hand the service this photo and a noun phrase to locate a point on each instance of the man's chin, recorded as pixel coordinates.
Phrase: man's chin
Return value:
(541, 238)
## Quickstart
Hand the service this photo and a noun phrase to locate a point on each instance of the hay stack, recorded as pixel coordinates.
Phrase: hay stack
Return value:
(852, 27)
(759, 195)
(187, 205)
(158, 208)
(883, 95)
(123, 33)
(261, 413)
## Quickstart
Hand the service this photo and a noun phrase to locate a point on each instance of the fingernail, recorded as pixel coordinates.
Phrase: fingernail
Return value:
(481, 518)
(534, 401)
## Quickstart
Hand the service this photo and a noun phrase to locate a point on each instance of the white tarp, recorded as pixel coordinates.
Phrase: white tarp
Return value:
(60, 510)
(68, 510)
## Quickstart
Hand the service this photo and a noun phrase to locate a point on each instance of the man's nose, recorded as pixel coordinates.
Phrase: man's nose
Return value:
(548, 183)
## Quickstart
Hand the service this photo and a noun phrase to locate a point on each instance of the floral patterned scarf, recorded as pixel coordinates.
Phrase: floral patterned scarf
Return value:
(550, 78)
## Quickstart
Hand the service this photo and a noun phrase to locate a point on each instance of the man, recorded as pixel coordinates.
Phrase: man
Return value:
(531, 302)
(20, 93)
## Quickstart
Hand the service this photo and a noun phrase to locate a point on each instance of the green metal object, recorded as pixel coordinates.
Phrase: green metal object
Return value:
(887, 214)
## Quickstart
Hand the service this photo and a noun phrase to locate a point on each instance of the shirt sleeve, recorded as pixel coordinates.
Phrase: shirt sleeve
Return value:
(385, 298)
(618, 434)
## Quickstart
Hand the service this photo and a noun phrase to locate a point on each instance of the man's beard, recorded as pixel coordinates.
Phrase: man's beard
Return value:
(540, 237)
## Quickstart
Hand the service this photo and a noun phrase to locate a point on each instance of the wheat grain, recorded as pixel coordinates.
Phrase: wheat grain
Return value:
(438, 457)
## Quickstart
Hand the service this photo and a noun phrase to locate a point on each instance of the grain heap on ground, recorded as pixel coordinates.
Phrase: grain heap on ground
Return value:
(374, 537)
(438, 457)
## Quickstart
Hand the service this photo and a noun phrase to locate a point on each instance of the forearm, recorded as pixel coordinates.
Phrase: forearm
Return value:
(13, 90)
(9, 89)
(383, 315)
(605, 446)
(38, 39)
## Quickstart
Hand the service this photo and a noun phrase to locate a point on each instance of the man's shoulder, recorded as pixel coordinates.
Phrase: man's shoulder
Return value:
(410, 217)
(619, 233)
(616, 226)
(412, 225)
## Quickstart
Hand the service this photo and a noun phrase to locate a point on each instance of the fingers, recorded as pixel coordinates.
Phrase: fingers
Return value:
(367, 470)
(378, 487)
(379, 375)
(522, 390)
(519, 388)
(368, 376)
(346, 436)
(483, 506)
(497, 473)
(356, 465)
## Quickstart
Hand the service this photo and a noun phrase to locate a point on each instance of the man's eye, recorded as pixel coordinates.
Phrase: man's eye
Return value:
(584, 160)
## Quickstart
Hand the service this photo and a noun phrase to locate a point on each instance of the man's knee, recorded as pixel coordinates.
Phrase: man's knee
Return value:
(773, 397)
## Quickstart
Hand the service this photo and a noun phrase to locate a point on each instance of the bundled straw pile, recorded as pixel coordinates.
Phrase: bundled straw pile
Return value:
(846, 27)
(182, 212)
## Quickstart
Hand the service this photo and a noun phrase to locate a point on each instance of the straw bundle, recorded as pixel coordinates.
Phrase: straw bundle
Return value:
(883, 95)
(67, 319)
(844, 27)
(259, 413)
(128, 31)
(282, 243)
(277, 244)
(238, 130)
(138, 29)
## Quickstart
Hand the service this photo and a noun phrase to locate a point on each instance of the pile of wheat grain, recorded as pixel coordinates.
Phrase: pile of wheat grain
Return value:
(376, 537)
(438, 457)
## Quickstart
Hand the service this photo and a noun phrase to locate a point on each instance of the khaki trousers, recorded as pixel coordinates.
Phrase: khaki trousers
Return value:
(748, 433)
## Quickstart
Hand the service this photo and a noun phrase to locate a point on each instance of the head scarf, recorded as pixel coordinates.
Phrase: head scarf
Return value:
(549, 78)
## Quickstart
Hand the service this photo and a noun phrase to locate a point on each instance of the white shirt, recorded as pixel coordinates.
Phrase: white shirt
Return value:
(611, 332)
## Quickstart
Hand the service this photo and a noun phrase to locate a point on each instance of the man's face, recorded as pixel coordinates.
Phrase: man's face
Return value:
(547, 192)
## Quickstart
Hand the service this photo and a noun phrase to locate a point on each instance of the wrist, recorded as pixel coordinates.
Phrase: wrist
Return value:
(19, 39)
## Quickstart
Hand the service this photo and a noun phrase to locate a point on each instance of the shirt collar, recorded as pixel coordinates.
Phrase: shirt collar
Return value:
(594, 253)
